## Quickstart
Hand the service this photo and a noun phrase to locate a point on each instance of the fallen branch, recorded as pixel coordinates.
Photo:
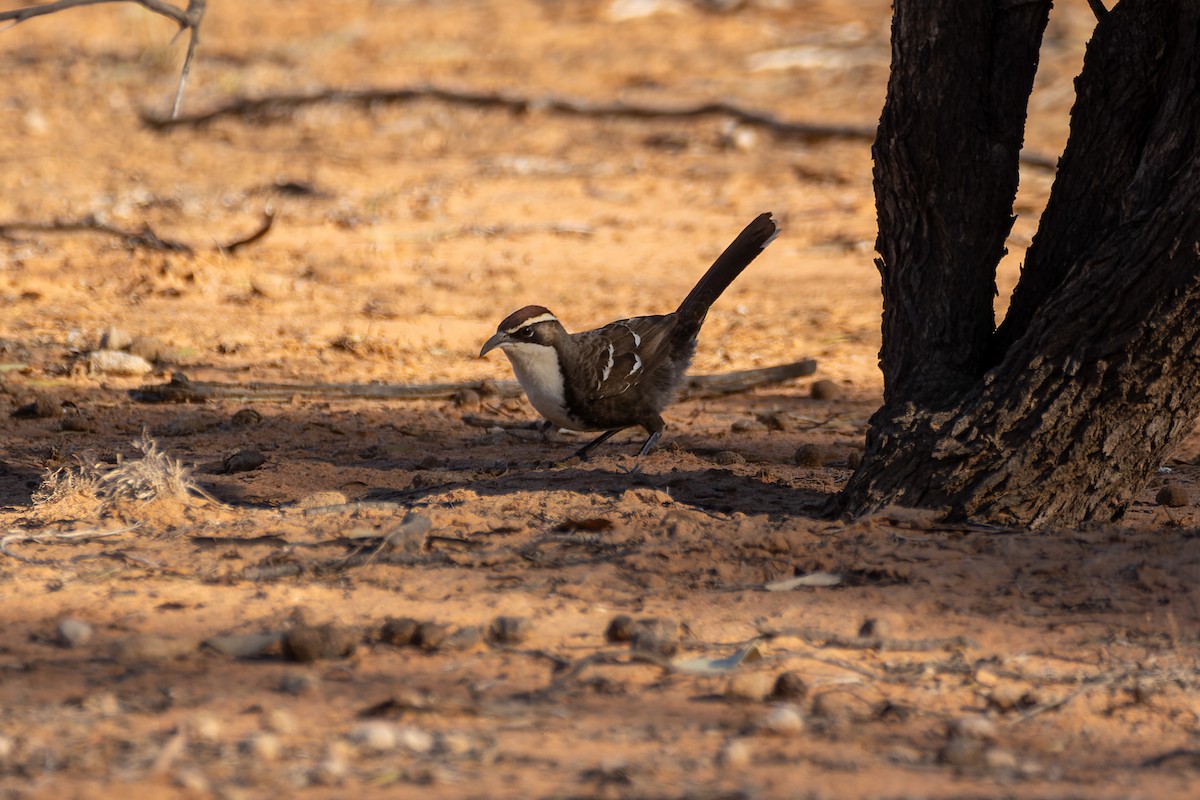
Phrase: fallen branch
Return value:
(821, 638)
(182, 390)
(187, 19)
(521, 104)
(145, 238)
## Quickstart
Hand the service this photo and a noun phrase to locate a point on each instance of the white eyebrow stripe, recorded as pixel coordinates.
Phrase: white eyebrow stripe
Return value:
(532, 321)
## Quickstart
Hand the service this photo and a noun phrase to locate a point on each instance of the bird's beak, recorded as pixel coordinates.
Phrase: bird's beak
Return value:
(499, 338)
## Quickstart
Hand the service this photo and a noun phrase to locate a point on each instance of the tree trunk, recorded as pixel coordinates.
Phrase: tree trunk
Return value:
(1062, 413)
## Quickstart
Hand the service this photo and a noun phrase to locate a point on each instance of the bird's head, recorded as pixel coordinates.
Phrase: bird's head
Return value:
(529, 326)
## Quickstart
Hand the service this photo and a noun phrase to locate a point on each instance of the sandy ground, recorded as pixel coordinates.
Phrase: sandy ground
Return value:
(142, 652)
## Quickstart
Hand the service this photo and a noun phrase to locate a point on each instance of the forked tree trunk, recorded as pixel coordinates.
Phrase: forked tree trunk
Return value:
(1064, 412)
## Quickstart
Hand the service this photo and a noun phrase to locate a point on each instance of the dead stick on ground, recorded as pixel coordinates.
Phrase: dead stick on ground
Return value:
(821, 638)
(145, 238)
(188, 19)
(182, 390)
(810, 131)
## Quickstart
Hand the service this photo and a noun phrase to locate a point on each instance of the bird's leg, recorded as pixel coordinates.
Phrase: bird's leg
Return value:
(649, 443)
(582, 453)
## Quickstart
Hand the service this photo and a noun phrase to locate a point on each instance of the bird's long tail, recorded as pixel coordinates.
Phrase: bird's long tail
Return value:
(737, 256)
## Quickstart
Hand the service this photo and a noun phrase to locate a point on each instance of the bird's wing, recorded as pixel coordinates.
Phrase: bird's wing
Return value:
(627, 352)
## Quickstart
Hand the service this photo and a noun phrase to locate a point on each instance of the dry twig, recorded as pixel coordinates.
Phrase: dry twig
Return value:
(188, 19)
(145, 238)
(522, 104)
(182, 390)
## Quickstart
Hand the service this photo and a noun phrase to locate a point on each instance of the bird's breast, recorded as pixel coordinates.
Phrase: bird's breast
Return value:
(540, 374)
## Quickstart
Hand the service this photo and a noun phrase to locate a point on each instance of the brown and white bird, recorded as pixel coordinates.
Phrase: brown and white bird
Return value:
(624, 374)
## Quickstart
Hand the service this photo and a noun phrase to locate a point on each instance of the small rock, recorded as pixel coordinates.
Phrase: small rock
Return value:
(875, 628)
(298, 684)
(138, 649)
(243, 645)
(205, 728)
(748, 426)
(113, 338)
(308, 643)
(728, 458)
(784, 720)
(465, 638)
(410, 536)
(415, 740)
(789, 686)
(809, 455)
(750, 687)
(242, 461)
(42, 407)
(1000, 758)
(398, 631)
(323, 498)
(777, 420)
(825, 390)
(854, 459)
(76, 423)
(974, 726)
(509, 630)
(281, 721)
(71, 632)
(1005, 697)
(104, 704)
(116, 362)
(246, 418)
(838, 708)
(331, 770)
(620, 629)
(194, 781)
(1172, 495)
(375, 736)
(736, 754)
(148, 348)
(962, 751)
(430, 635)
(658, 637)
(263, 746)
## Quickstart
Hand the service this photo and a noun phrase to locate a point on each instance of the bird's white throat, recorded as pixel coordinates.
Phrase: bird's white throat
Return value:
(540, 375)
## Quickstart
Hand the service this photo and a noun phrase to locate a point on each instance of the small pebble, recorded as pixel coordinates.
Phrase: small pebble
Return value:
(263, 746)
(205, 728)
(194, 781)
(410, 535)
(789, 686)
(509, 630)
(654, 636)
(116, 362)
(784, 719)
(430, 635)
(243, 645)
(113, 338)
(398, 631)
(465, 638)
(246, 418)
(280, 720)
(105, 704)
(962, 751)
(874, 628)
(138, 649)
(1172, 495)
(323, 498)
(729, 458)
(242, 461)
(620, 629)
(71, 632)
(809, 455)
(752, 687)
(736, 754)
(747, 426)
(42, 407)
(1000, 758)
(299, 683)
(415, 740)
(308, 643)
(825, 390)
(375, 736)
(148, 348)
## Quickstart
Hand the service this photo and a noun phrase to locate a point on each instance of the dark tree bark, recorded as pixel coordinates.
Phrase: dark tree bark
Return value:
(1062, 413)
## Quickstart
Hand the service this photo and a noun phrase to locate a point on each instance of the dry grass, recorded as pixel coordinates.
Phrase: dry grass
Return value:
(88, 488)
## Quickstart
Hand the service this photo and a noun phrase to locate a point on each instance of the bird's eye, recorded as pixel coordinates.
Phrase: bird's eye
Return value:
(527, 333)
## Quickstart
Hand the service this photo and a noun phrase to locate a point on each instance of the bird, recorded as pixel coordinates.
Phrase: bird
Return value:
(624, 374)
